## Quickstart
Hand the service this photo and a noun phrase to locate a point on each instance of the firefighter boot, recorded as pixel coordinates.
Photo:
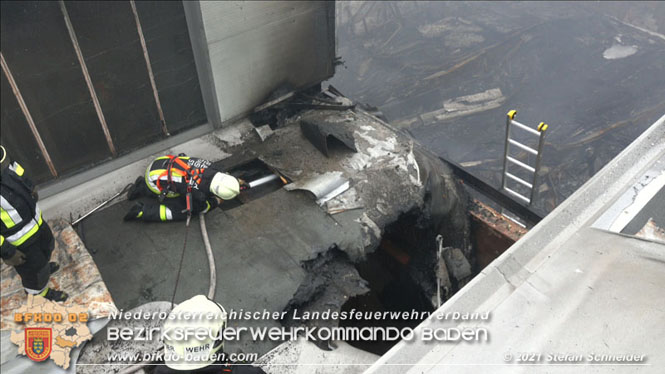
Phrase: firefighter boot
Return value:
(54, 295)
(136, 212)
(136, 190)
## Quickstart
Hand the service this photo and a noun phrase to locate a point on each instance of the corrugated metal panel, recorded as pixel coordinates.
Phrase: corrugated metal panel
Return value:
(76, 88)
(39, 53)
(17, 138)
(107, 35)
(81, 70)
(172, 60)
(247, 50)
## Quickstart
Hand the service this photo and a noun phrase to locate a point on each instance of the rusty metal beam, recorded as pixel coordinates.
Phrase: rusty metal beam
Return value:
(28, 116)
(139, 29)
(531, 217)
(88, 81)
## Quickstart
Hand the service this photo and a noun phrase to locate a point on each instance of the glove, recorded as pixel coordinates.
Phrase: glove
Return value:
(17, 259)
(243, 185)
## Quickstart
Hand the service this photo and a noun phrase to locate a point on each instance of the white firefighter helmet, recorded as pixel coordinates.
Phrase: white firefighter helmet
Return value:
(225, 186)
(198, 313)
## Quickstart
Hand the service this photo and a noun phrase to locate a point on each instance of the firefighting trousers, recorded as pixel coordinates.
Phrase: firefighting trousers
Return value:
(171, 209)
(35, 270)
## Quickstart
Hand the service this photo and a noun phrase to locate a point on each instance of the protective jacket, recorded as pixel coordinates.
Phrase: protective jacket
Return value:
(182, 168)
(170, 178)
(20, 213)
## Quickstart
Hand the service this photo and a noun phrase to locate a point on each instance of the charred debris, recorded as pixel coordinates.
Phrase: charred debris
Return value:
(449, 72)
(404, 198)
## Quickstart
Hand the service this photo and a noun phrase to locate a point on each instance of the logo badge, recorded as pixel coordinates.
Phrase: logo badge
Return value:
(38, 343)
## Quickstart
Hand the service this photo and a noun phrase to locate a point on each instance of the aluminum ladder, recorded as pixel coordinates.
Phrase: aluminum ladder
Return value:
(508, 159)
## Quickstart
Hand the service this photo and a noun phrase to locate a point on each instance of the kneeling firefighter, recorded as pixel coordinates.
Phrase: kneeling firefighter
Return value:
(26, 240)
(184, 186)
(193, 355)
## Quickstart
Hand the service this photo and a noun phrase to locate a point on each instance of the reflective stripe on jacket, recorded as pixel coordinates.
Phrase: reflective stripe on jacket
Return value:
(20, 216)
(156, 175)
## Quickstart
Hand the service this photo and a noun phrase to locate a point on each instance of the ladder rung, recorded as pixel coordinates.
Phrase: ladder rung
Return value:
(518, 195)
(520, 163)
(524, 147)
(525, 128)
(519, 180)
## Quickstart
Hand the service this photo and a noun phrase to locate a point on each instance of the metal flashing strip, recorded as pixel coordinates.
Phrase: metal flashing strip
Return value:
(632, 202)
(55, 187)
(500, 197)
(144, 47)
(341, 188)
(323, 186)
(88, 80)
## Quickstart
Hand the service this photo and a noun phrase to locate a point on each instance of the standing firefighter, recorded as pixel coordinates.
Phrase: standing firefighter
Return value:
(183, 185)
(26, 239)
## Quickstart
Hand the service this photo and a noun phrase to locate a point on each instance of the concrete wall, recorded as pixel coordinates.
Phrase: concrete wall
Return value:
(245, 51)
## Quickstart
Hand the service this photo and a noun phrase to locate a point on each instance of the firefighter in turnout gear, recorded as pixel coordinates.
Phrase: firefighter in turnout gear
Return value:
(194, 355)
(184, 185)
(26, 240)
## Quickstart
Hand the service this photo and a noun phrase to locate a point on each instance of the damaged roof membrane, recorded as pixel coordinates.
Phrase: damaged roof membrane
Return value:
(382, 175)
(262, 246)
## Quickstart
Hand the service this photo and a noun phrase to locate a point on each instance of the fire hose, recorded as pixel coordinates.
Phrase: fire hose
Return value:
(211, 288)
(211, 263)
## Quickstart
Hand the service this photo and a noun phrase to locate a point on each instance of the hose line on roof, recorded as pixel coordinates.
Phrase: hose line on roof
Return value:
(211, 258)
(211, 288)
